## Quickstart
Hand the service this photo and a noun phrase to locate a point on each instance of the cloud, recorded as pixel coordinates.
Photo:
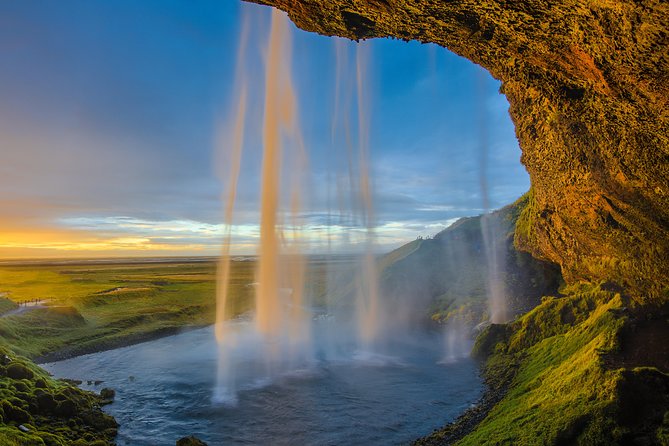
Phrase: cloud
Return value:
(109, 127)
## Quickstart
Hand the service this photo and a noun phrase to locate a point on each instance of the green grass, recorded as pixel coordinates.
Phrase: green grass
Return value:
(93, 307)
(101, 306)
(562, 391)
(6, 305)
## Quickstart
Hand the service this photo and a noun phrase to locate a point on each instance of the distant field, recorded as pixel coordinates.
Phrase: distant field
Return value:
(90, 306)
(96, 306)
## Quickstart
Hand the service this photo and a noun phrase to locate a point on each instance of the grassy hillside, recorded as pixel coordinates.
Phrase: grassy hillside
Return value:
(570, 383)
(588, 366)
(447, 275)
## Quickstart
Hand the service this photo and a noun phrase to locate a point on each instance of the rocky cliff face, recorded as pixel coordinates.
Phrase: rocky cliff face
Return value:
(588, 84)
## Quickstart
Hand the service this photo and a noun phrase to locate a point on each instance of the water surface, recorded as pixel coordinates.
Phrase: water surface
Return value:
(164, 392)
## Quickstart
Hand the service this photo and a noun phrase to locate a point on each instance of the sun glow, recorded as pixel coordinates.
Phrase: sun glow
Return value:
(123, 236)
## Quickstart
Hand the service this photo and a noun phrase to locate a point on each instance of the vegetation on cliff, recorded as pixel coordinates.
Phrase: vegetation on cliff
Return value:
(447, 276)
(567, 382)
(36, 410)
(589, 366)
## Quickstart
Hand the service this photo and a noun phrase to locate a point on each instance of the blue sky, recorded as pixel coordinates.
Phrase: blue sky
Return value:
(111, 116)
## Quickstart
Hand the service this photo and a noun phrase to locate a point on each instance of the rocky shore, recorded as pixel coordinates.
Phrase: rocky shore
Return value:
(36, 409)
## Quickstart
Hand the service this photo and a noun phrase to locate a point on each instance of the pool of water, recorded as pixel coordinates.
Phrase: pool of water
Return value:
(164, 391)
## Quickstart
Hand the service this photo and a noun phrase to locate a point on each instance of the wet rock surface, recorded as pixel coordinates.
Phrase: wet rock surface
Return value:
(588, 85)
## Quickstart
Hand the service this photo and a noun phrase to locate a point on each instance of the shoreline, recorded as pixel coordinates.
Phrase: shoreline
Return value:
(73, 352)
(467, 421)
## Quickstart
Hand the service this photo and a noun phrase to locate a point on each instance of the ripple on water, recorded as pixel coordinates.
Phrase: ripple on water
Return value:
(368, 398)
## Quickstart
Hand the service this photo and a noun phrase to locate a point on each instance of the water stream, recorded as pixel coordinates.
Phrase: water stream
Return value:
(281, 325)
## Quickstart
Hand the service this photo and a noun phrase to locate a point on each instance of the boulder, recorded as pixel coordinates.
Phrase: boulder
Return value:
(190, 441)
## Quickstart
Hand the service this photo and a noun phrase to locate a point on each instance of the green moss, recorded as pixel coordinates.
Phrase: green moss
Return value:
(54, 412)
(190, 441)
(12, 436)
(492, 339)
(18, 371)
(663, 430)
(560, 390)
(526, 213)
(92, 307)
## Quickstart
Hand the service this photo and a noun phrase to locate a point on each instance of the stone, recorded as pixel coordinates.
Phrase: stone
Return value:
(19, 371)
(108, 393)
(190, 441)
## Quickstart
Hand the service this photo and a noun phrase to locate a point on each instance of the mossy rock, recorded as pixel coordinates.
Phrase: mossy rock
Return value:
(21, 386)
(16, 414)
(107, 393)
(65, 408)
(492, 339)
(46, 403)
(57, 413)
(19, 371)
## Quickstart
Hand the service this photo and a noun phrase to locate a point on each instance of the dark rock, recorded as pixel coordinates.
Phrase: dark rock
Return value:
(100, 421)
(108, 393)
(190, 441)
(73, 382)
(46, 403)
(19, 371)
(66, 408)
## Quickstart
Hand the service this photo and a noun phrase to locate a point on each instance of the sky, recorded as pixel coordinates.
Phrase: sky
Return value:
(115, 123)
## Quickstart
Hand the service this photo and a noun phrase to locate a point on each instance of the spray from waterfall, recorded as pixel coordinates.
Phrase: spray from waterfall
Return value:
(267, 293)
(280, 332)
(353, 183)
(224, 336)
(278, 336)
(493, 243)
(368, 293)
(280, 315)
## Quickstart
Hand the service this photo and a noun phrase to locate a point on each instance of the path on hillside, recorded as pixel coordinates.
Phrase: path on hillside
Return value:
(26, 306)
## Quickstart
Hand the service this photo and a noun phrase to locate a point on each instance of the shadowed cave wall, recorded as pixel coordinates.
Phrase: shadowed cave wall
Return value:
(588, 86)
